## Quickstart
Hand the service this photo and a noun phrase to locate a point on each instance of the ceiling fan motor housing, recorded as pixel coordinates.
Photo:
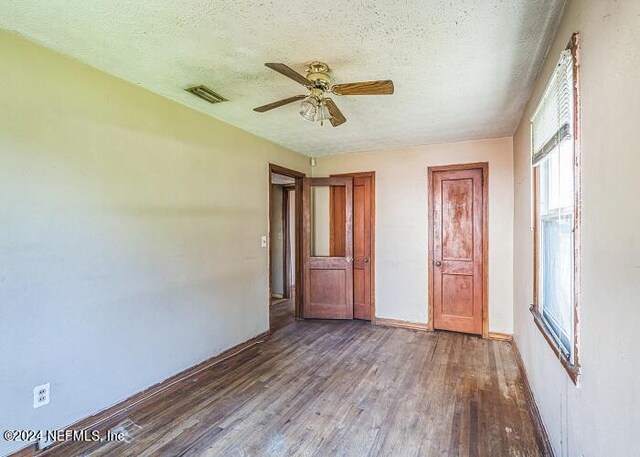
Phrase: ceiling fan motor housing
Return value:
(318, 73)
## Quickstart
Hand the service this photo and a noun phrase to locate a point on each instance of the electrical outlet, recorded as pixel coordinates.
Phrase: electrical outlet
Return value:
(41, 395)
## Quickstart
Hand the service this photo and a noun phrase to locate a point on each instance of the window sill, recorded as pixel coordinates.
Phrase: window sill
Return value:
(572, 370)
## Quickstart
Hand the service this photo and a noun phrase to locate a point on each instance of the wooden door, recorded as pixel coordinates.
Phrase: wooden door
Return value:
(328, 273)
(457, 251)
(363, 227)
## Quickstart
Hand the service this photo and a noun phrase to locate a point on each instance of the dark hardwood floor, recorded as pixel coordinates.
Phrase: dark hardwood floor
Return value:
(326, 388)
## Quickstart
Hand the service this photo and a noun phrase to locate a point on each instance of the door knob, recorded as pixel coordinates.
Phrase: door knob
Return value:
(366, 260)
(349, 259)
(438, 263)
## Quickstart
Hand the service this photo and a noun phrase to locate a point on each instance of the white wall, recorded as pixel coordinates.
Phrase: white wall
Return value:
(401, 222)
(129, 232)
(602, 416)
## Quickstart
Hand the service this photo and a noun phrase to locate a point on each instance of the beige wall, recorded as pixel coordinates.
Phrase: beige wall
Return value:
(602, 416)
(401, 222)
(129, 232)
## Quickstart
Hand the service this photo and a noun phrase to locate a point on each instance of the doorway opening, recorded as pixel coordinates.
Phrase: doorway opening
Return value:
(285, 195)
(321, 246)
(338, 246)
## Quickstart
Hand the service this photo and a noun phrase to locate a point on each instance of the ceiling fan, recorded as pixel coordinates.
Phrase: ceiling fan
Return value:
(316, 106)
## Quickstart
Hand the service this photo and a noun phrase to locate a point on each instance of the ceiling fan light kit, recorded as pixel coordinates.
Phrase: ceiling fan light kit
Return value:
(313, 109)
(316, 106)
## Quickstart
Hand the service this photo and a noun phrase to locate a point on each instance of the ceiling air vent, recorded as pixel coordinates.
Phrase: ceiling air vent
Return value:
(206, 94)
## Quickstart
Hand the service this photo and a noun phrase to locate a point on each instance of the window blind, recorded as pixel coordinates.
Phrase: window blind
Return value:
(552, 121)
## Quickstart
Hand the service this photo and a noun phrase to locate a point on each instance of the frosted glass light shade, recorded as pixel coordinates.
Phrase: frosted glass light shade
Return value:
(309, 109)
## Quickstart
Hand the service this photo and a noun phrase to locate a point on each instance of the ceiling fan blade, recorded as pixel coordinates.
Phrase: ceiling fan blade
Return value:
(289, 73)
(337, 118)
(384, 87)
(286, 101)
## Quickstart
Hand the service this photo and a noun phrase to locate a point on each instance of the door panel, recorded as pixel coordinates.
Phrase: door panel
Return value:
(328, 284)
(457, 251)
(459, 291)
(457, 219)
(362, 222)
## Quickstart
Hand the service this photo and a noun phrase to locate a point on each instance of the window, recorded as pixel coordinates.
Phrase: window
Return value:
(556, 177)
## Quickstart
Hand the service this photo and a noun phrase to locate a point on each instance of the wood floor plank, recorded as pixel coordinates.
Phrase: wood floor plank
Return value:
(319, 388)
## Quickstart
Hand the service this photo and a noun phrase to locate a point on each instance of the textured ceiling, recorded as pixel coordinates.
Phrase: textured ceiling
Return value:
(462, 69)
